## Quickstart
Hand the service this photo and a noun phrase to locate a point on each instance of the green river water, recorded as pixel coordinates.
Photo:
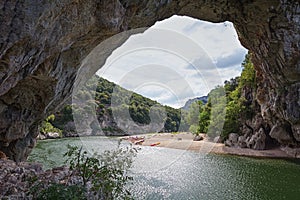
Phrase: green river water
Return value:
(161, 173)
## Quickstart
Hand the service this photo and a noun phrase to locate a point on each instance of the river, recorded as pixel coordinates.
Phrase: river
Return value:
(161, 173)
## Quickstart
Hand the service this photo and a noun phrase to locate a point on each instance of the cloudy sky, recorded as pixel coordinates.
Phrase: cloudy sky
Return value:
(176, 59)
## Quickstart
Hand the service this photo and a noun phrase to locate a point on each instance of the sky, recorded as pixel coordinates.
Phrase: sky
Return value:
(176, 59)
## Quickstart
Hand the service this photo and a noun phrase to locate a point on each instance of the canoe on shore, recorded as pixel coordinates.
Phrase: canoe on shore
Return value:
(155, 144)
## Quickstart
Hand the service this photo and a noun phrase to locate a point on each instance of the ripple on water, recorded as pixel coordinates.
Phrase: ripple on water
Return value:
(161, 173)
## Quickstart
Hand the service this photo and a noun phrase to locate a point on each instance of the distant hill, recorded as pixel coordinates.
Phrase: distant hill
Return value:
(138, 106)
(187, 105)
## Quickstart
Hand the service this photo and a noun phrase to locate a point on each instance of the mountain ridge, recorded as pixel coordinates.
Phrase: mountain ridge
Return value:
(189, 102)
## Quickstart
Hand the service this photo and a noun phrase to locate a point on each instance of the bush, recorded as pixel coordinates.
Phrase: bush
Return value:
(194, 129)
(100, 176)
(106, 173)
(62, 192)
(47, 127)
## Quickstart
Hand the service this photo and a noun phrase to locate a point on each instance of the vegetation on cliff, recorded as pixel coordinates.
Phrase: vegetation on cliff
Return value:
(227, 100)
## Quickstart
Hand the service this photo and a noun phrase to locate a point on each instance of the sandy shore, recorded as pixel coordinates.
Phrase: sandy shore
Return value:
(185, 141)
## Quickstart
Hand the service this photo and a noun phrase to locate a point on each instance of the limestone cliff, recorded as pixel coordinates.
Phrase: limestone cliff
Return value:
(42, 44)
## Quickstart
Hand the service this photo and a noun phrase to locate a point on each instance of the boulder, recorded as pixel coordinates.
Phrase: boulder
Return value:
(217, 139)
(281, 133)
(41, 137)
(233, 137)
(257, 141)
(198, 138)
(53, 135)
(232, 140)
(242, 141)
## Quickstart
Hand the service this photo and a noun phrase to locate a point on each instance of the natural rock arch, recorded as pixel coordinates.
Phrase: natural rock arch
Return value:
(43, 43)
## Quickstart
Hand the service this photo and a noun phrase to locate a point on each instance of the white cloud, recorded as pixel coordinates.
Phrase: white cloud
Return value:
(229, 60)
(176, 59)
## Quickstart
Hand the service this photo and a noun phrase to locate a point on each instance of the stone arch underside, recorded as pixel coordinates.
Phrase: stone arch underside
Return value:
(42, 45)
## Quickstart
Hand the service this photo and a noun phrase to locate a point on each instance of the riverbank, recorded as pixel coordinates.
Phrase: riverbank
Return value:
(184, 141)
(155, 169)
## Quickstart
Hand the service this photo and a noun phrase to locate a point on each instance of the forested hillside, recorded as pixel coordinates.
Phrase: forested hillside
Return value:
(112, 102)
(228, 106)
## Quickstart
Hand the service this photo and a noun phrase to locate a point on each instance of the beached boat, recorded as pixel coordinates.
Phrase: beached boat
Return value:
(155, 144)
(135, 139)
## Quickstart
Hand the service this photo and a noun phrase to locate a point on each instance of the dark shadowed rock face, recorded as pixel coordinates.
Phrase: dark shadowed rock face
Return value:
(42, 44)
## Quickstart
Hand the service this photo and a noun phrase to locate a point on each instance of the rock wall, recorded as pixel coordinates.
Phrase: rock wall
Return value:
(42, 44)
(254, 130)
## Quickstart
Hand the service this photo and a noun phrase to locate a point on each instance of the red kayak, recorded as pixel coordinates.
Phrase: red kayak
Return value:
(155, 144)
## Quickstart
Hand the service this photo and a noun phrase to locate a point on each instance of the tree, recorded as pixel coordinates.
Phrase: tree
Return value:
(204, 120)
(226, 105)
(96, 176)
(217, 113)
(193, 117)
(237, 108)
(47, 126)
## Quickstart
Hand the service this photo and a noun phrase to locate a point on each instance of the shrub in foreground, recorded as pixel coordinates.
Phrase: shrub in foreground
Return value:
(90, 176)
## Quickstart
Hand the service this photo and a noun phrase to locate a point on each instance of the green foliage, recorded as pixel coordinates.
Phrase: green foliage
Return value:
(47, 127)
(217, 111)
(62, 192)
(106, 172)
(184, 126)
(110, 99)
(173, 119)
(229, 109)
(231, 85)
(231, 124)
(138, 106)
(237, 108)
(192, 117)
(204, 119)
(194, 129)
(102, 176)
(248, 76)
(193, 114)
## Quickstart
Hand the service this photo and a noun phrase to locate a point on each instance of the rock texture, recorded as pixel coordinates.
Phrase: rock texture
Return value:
(15, 178)
(255, 129)
(50, 135)
(188, 104)
(256, 141)
(42, 44)
(18, 180)
(233, 139)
